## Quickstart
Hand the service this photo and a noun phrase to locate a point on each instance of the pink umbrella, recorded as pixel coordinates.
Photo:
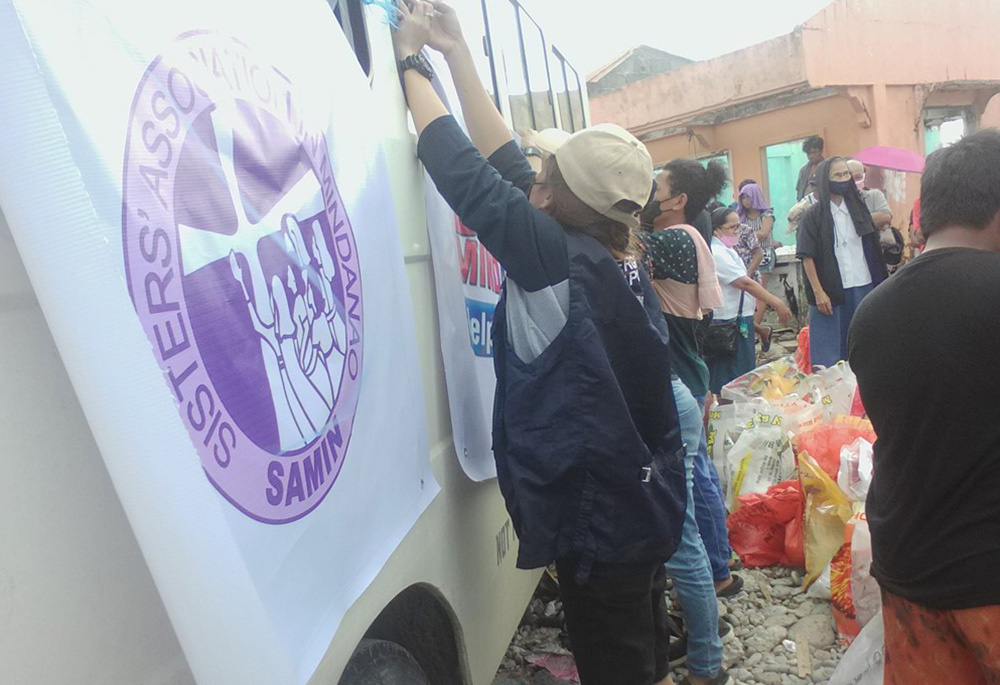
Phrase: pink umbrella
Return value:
(894, 158)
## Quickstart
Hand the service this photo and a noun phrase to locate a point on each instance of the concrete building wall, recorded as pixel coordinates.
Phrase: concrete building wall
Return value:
(902, 42)
(702, 86)
(746, 139)
(885, 62)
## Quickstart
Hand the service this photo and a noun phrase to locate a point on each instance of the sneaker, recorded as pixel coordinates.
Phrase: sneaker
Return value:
(722, 679)
(726, 631)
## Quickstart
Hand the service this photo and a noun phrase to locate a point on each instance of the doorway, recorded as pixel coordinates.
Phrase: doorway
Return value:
(944, 126)
(782, 162)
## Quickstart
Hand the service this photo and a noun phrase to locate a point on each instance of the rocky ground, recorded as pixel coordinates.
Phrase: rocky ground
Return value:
(771, 619)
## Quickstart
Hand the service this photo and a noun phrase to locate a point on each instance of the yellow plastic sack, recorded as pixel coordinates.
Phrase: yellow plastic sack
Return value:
(828, 510)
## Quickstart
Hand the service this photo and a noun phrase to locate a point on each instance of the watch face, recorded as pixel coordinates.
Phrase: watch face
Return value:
(424, 66)
(420, 63)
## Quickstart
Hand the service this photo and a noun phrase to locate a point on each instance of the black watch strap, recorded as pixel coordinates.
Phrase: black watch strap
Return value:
(419, 64)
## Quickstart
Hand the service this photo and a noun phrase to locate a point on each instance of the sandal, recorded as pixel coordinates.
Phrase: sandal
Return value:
(733, 589)
(765, 343)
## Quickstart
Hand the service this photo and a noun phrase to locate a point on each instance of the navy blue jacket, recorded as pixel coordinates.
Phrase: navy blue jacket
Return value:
(585, 429)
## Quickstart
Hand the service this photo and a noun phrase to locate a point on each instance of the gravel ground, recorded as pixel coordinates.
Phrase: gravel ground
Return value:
(767, 618)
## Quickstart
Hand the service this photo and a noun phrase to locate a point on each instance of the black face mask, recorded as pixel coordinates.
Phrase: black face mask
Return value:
(650, 213)
(840, 187)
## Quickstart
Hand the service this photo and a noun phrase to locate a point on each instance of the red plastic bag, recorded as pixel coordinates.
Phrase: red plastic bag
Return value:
(766, 530)
(561, 666)
(801, 355)
(824, 442)
(795, 547)
(858, 407)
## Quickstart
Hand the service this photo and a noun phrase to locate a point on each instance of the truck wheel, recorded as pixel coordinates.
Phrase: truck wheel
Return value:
(379, 662)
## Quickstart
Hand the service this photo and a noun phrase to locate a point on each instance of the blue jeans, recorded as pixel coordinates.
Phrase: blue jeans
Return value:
(710, 507)
(689, 566)
(828, 334)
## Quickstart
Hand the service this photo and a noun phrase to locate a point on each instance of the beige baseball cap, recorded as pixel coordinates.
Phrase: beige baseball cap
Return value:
(603, 165)
(548, 140)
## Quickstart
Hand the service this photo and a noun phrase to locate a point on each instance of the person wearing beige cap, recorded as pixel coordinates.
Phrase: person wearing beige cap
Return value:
(585, 435)
(537, 145)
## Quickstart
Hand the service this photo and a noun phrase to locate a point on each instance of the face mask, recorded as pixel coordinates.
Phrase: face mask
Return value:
(729, 240)
(840, 187)
(651, 213)
(860, 183)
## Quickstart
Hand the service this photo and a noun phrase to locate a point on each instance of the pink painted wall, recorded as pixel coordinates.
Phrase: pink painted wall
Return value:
(703, 86)
(902, 42)
(878, 48)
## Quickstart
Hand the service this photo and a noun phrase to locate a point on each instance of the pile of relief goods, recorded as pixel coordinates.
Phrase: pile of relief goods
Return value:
(794, 456)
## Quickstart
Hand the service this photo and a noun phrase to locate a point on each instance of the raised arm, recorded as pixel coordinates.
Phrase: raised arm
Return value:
(409, 39)
(487, 129)
(529, 244)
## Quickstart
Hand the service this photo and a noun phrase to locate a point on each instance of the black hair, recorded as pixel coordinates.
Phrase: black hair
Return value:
(813, 143)
(699, 183)
(719, 216)
(745, 182)
(961, 184)
(713, 205)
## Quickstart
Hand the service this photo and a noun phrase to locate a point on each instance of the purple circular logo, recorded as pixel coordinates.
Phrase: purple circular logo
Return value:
(243, 269)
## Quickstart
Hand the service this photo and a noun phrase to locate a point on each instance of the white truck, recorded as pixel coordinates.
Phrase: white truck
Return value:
(129, 551)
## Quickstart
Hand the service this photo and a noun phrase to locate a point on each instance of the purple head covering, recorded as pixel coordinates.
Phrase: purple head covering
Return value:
(757, 200)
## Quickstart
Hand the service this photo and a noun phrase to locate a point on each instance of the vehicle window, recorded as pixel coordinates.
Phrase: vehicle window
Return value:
(575, 96)
(538, 73)
(509, 61)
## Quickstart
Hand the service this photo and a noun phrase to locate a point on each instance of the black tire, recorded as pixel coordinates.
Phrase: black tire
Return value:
(379, 662)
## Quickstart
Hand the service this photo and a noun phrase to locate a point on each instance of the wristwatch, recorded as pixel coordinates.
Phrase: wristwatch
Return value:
(531, 151)
(419, 63)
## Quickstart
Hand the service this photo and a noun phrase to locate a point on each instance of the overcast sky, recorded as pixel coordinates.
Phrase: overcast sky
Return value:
(594, 33)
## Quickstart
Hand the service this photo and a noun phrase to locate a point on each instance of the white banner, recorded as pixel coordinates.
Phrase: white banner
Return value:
(468, 280)
(200, 198)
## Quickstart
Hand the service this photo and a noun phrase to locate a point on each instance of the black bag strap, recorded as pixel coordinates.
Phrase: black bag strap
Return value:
(739, 314)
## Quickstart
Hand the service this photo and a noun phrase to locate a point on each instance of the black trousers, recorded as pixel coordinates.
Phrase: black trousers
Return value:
(617, 622)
